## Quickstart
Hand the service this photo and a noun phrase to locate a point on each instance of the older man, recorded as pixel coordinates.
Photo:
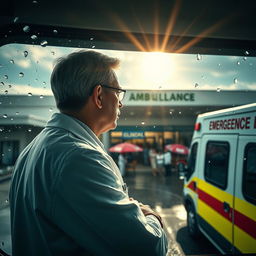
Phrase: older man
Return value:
(67, 196)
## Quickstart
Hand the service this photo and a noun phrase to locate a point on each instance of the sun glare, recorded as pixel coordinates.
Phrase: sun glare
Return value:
(157, 67)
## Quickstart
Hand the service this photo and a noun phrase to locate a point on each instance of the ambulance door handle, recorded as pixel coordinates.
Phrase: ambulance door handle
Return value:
(226, 207)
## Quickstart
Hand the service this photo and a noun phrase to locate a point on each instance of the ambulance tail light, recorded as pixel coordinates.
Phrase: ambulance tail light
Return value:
(197, 127)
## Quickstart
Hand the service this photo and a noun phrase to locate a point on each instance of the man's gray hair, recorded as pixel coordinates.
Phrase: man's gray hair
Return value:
(75, 76)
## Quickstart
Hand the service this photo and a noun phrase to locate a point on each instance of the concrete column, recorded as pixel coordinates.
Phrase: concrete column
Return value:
(106, 140)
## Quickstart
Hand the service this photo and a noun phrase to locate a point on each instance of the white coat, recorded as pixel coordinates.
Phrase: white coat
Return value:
(67, 197)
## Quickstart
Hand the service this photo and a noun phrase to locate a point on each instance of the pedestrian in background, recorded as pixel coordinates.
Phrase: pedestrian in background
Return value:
(152, 159)
(167, 162)
(160, 162)
(122, 164)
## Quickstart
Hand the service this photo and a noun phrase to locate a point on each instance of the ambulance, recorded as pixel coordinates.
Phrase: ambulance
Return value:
(220, 179)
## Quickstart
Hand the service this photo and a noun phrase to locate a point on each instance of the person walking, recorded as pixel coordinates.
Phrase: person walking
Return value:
(160, 162)
(121, 164)
(152, 159)
(67, 196)
(167, 162)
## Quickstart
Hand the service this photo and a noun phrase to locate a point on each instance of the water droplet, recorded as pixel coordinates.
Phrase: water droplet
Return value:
(93, 46)
(6, 200)
(55, 31)
(235, 80)
(170, 112)
(196, 85)
(29, 94)
(198, 57)
(142, 122)
(6, 91)
(33, 37)
(44, 83)
(10, 86)
(26, 29)
(238, 63)
(25, 53)
(1, 129)
(5, 76)
(246, 53)
(43, 43)
(41, 96)
(179, 112)
(29, 130)
(34, 2)
(12, 61)
(244, 58)
(218, 89)
(91, 38)
(5, 116)
(16, 19)
(50, 109)
(21, 74)
(52, 52)
(17, 113)
(2, 83)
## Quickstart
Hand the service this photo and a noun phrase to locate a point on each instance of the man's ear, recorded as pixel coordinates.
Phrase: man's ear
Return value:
(97, 96)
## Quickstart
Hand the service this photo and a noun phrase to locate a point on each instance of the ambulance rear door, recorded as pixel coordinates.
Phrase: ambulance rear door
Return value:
(245, 196)
(215, 189)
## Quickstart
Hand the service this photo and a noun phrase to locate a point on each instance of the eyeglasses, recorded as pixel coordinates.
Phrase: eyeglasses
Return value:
(120, 92)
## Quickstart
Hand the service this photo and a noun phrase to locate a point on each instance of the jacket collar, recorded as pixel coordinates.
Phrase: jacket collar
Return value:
(76, 127)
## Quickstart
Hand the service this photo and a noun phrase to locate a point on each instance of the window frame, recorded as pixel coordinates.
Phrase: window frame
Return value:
(223, 187)
(245, 157)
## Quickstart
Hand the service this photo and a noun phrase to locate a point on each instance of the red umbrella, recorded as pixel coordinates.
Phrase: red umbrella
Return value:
(177, 148)
(125, 148)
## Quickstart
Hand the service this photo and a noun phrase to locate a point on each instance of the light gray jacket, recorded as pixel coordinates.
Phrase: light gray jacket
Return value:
(67, 197)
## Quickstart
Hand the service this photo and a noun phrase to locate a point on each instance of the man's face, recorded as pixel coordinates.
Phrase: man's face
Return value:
(111, 105)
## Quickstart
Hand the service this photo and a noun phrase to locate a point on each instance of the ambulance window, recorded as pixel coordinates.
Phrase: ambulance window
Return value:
(192, 160)
(249, 173)
(216, 163)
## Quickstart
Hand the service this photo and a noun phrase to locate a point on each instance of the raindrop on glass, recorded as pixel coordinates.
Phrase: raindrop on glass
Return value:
(5, 116)
(33, 37)
(29, 129)
(50, 109)
(41, 96)
(246, 53)
(219, 64)
(17, 113)
(26, 29)
(16, 19)
(21, 74)
(179, 112)
(52, 52)
(170, 112)
(5, 76)
(12, 61)
(10, 86)
(29, 94)
(218, 89)
(91, 38)
(196, 85)
(44, 83)
(235, 80)
(142, 122)
(25, 53)
(43, 43)
(238, 63)
(2, 83)
(93, 46)
(34, 2)
(55, 31)
(6, 91)
(198, 57)
(244, 58)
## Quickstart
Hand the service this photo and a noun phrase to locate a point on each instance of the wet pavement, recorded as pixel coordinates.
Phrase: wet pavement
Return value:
(164, 194)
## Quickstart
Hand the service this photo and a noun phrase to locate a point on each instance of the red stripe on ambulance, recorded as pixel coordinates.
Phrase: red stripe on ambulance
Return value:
(245, 223)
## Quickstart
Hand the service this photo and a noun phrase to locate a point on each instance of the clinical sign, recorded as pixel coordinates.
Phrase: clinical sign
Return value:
(133, 135)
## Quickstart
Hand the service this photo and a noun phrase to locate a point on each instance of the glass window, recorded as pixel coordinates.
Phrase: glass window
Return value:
(192, 160)
(216, 163)
(249, 173)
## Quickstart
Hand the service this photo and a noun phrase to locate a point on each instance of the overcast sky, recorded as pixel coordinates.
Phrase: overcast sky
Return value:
(26, 69)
